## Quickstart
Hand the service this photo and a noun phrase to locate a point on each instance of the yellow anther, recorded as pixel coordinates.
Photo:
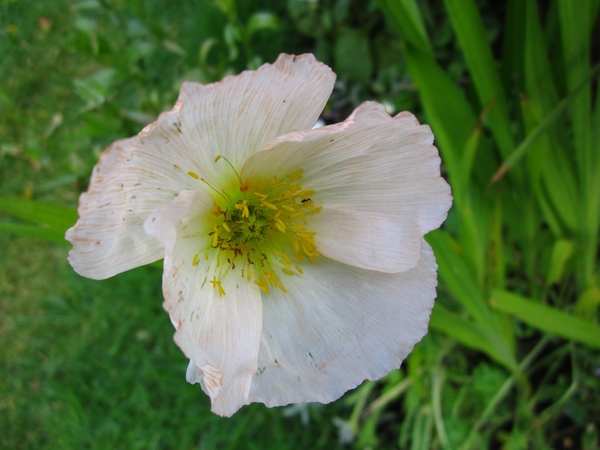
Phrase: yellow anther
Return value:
(281, 255)
(280, 225)
(215, 237)
(286, 262)
(299, 214)
(263, 283)
(226, 227)
(299, 270)
(316, 210)
(249, 273)
(217, 285)
(306, 194)
(272, 277)
(217, 158)
(295, 245)
(297, 175)
(298, 226)
(288, 208)
(195, 260)
(262, 196)
(243, 205)
(194, 175)
(289, 272)
(281, 287)
(269, 205)
(306, 251)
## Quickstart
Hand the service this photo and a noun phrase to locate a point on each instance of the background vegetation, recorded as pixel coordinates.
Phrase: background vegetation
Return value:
(511, 91)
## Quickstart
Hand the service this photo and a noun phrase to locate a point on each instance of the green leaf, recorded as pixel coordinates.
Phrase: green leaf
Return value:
(542, 128)
(405, 17)
(546, 318)
(575, 32)
(460, 281)
(474, 45)
(588, 303)
(448, 112)
(471, 335)
(59, 218)
(94, 89)
(262, 21)
(561, 252)
(48, 234)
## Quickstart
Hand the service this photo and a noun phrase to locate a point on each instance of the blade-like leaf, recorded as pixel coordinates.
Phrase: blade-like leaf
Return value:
(405, 17)
(542, 128)
(459, 279)
(547, 318)
(575, 33)
(448, 112)
(470, 335)
(48, 234)
(474, 45)
(54, 216)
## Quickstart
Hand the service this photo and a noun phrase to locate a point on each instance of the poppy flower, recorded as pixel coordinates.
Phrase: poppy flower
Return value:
(294, 260)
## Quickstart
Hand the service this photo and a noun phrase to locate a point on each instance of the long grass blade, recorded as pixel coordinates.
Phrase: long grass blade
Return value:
(542, 128)
(473, 42)
(546, 318)
(470, 335)
(54, 216)
(48, 234)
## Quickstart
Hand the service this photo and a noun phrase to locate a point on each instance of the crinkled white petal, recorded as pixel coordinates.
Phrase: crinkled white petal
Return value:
(108, 238)
(234, 118)
(220, 334)
(238, 115)
(339, 325)
(377, 179)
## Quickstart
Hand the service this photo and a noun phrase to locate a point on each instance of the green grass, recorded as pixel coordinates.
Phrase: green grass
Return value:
(90, 364)
(511, 91)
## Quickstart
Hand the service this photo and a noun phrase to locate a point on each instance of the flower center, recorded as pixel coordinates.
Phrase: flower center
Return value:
(259, 228)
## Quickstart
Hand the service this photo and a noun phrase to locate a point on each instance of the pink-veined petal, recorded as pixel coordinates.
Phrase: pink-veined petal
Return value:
(219, 333)
(108, 238)
(339, 325)
(377, 179)
(238, 115)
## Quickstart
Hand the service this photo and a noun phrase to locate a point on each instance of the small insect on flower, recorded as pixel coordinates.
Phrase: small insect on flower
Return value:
(294, 260)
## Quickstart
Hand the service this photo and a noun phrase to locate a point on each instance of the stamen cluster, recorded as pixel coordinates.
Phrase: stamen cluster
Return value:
(262, 232)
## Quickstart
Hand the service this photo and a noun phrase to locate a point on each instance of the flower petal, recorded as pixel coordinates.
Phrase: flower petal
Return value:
(378, 180)
(234, 118)
(220, 334)
(238, 115)
(108, 238)
(339, 325)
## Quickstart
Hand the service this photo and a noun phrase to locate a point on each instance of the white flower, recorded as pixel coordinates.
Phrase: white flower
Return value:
(294, 264)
